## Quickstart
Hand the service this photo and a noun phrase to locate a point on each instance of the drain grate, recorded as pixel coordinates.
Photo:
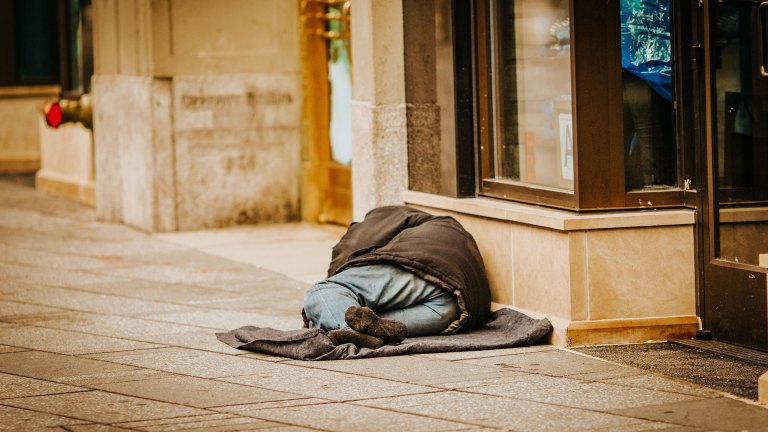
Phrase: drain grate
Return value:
(726, 350)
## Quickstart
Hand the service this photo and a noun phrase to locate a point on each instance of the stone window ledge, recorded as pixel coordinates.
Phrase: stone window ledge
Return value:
(30, 91)
(560, 220)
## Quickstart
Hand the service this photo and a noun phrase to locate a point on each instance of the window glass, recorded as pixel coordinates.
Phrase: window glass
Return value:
(533, 135)
(646, 61)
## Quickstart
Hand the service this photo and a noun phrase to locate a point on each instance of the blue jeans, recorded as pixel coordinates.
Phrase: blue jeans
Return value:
(393, 293)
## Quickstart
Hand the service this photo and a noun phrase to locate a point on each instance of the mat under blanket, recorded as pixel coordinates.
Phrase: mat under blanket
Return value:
(507, 328)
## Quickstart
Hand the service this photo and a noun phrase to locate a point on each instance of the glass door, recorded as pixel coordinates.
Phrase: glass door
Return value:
(734, 299)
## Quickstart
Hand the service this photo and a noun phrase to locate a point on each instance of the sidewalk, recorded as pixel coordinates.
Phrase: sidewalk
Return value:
(104, 328)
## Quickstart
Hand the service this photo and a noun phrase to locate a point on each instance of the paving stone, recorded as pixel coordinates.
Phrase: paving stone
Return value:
(250, 409)
(16, 419)
(471, 355)
(94, 428)
(227, 320)
(184, 274)
(16, 309)
(656, 382)
(196, 392)
(559, 363)
(578, 394)
(414, 370)
(204, 340)
(66, 342)
(191, 362)
(324, 384)
(4, 349)
(38, 258)
(181, 294)
(57, 367)
(649, 426)
(722, 414)
(209, 422)
(112, 326)
(345, 417)
(492, 411)
(101, 407)
(12, 386)
(40, 276)
(71, 299)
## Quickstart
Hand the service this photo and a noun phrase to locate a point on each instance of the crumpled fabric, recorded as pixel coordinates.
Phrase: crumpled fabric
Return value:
(506, 328)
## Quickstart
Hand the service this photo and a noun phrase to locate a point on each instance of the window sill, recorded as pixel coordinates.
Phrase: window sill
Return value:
(30, 91)
(560, 220)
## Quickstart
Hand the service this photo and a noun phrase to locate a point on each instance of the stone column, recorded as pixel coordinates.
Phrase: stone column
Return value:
(379, 127)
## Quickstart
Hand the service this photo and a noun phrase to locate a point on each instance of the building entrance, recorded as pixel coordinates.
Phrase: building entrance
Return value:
(733, 301)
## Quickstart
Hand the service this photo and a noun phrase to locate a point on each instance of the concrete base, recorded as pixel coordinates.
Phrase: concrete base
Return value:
(600, 279)
(762, 389)
(83, 192)
(631, 330)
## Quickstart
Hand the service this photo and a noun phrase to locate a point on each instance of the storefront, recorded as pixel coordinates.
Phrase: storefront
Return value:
(610, 157)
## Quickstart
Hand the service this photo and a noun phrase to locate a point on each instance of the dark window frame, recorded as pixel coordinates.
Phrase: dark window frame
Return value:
(597, 114)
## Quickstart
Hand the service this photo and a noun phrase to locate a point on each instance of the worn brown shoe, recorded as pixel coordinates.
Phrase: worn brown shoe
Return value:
(366, 321)
(356, 338)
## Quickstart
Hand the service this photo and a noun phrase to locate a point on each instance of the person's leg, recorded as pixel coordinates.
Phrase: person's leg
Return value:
(384, 289)
(398, 295)
(428, 318)
(325, 304)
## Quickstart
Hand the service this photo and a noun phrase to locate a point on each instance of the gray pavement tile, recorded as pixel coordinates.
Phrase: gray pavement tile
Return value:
(66, 342)
(16, 419)
(162, 292)
(196, 392)
(324, 384)
(184, 274)
(41, 276)
(722, 414)
(228, 320)
(12, 386)
(57, 367)
(345, 417)
(39, 258)
(262, 284)
(102, 407)
(112, 326)
(265, 357)
(208, 422)
(648, 426)
(249, 409)
(656, 382)
(95, 428)
(16, 309)
(72, 299)
(191, 362)
(471, 355)
(414, 370)
(579, 394)
(4, 349)
(492, 411)
(557, 363)
(204, 339)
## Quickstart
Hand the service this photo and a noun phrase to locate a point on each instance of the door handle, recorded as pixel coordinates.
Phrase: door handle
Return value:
(762, 17)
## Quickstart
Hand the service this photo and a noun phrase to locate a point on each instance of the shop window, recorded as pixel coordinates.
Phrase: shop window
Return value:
(577, 103)
(44, 42)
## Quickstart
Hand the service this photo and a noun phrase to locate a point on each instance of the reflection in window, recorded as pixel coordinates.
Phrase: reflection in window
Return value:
(534, 140)
(646, 60)
(340, 82)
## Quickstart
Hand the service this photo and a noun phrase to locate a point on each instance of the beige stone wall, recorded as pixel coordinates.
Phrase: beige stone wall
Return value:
(616, 285)
(198, 112)
(66, 163)
(19, 129)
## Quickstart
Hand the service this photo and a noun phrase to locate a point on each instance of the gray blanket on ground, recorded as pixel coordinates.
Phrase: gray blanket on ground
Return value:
(506, 329)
